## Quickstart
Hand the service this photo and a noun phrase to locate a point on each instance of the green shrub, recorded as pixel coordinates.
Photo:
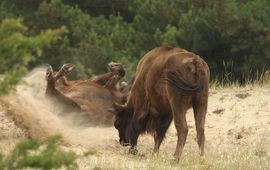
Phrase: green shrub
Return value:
(33, 154)
(18, 49)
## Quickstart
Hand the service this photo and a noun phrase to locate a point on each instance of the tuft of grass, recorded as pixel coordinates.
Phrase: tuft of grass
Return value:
(31, 153)
(261, 79)
(230, 78)
(90, 152)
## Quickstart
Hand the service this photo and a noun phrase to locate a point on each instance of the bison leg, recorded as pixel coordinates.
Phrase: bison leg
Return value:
(134, 134)
(179, 114)
(50, 81)
(162, 127)
(49, 73)
(200, 107)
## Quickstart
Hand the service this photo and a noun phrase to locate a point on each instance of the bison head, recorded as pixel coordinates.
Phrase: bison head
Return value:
(122, 122)
(117, 67)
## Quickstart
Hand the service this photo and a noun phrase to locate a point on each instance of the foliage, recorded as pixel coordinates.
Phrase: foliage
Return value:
(17, 49)
(91, 43)
(33, 154)
(231, 35)
(229, 40)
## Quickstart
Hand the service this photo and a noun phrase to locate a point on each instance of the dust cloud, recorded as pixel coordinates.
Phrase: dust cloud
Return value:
(29, 108)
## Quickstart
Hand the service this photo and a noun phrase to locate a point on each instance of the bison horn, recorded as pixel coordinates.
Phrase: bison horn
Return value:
(116, 109)
(112, 110)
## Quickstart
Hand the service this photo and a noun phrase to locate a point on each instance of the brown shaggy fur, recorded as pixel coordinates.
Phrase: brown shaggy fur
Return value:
(92, 96)
(168, 81)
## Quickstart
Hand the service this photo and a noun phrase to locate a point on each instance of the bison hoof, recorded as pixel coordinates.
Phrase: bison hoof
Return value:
(67, 68)
(49, 72)
(133, 151)
(124, 143)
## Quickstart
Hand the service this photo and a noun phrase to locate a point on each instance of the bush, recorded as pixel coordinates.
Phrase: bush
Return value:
(33, 154)
(17, 50)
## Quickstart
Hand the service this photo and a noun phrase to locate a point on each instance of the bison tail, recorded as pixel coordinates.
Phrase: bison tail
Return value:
(176, 80)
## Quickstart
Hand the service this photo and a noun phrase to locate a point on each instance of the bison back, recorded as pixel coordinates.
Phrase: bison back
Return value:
(163, 68)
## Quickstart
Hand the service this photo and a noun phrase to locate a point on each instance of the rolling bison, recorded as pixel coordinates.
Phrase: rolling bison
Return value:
(168, 81)
(91, 96)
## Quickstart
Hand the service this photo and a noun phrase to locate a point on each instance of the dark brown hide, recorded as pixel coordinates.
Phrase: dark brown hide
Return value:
(168, 81)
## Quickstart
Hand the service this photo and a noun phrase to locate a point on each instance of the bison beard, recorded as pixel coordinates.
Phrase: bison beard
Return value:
(168, 81)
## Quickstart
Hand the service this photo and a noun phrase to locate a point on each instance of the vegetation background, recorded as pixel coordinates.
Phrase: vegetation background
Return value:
(233, 36)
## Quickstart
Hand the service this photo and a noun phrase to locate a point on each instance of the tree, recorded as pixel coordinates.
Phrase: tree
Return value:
(17, 50)
(231, 35)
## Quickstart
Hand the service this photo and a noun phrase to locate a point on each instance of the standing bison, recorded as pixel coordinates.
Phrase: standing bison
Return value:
(168, 81)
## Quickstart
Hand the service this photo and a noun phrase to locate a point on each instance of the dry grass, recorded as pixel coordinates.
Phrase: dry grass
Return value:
(231, 158)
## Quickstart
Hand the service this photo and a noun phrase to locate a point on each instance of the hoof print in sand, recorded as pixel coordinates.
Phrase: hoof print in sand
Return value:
(219, 111)
(242, 95)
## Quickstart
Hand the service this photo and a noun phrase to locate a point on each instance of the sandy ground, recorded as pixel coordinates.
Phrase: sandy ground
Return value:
(237, 131)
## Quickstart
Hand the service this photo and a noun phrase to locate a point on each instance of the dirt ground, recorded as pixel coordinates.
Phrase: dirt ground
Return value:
(237, 131)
